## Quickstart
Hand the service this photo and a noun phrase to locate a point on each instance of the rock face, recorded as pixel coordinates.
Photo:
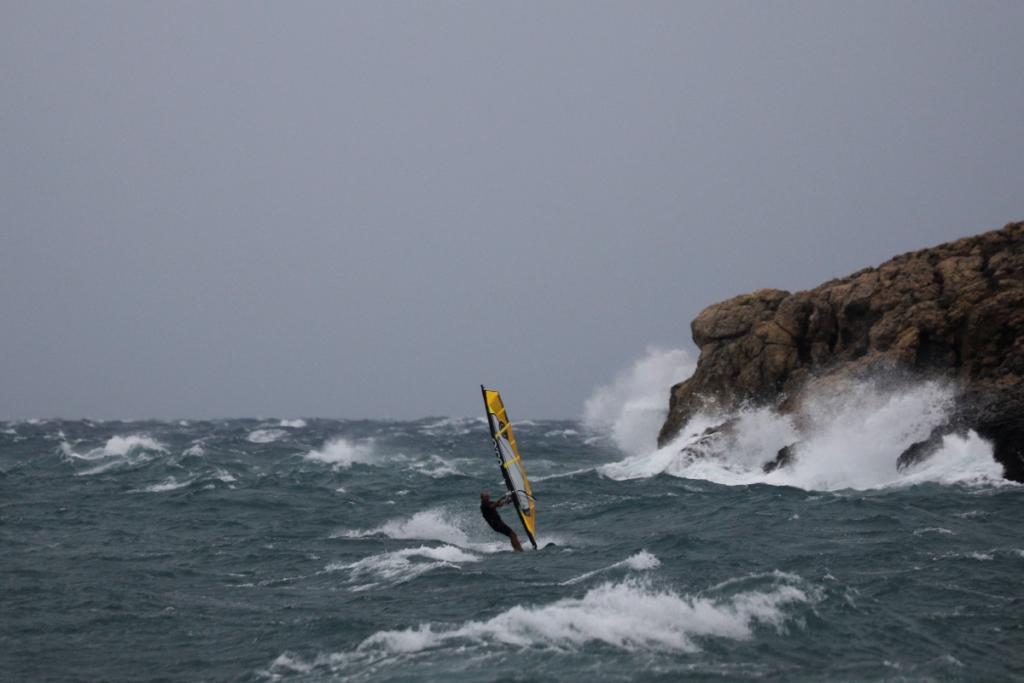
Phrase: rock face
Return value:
(955, 310)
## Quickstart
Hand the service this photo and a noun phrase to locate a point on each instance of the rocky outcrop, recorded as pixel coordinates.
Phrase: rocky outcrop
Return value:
(955, 310)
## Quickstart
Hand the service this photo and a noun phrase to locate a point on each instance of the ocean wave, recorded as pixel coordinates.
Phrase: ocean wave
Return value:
(118, 451)
(341, 452)
(436, 524)
(400, 566)
(173, 483)
(633, 407)
(452, 426)
(630, 616)
(169, 484)
(292, 424)
(436, 467)
(266, 435)
(116, 446)
(640, 561)
(848, 440)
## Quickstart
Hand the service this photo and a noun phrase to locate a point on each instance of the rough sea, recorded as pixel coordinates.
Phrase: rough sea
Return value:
(306, 550)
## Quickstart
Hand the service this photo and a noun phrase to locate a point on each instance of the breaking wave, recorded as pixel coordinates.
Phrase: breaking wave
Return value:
(843, 440)
(169, 484)
(640, 561)
(631, 616)
(399, 566)
(116, 452)
(116, 446)
(341, 452)
(633, 407)
(292, 424)
(265, 435)
(436, 524)
(436, 467)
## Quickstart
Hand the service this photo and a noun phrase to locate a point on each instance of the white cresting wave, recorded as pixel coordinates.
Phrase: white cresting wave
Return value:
(845, 440)
(436, 467)
(173, 484)
(630, 615)
(436, 524)
(116, 452)
(399, 566)
(266, 435)
(450, 527)
(633, 407)
(640, 561)
(342, 452)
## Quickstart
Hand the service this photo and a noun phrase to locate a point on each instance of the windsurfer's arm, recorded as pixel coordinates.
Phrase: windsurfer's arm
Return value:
(507, 498)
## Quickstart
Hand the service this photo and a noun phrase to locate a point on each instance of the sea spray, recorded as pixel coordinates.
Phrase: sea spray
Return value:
(633, 407)
(342, 452)
(847, 438)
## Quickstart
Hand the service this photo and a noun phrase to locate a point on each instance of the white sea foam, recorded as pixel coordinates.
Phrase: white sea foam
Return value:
(341, 452)
(225, 476)
(99, 469)
(629, 615)
(169, 484)
(292, 424)
(633, 407)
(123, 445)
(195, 449)
(117, 451)
(430, 525)
(400, 566)
(848, 439)
(436, 524)
(436, 467)
(640, 561)
(266, 435)
(288, 662)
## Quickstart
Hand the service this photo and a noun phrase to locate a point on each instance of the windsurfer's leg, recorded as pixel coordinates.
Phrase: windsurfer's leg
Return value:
(515, 542)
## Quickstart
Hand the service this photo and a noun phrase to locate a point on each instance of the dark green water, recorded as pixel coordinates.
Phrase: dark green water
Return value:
(248, 550)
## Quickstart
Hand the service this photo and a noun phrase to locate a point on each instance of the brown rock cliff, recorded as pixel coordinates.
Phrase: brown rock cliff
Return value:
(955, 310)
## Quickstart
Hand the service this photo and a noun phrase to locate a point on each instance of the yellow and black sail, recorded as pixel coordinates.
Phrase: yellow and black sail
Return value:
(510, 462)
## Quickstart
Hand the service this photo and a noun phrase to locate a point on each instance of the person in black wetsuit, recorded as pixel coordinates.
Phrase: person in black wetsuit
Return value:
(489, 509)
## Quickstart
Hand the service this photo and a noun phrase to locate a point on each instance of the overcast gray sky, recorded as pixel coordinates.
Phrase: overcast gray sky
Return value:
(367, 209)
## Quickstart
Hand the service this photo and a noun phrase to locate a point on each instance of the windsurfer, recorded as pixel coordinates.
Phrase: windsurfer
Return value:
(489, 509)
